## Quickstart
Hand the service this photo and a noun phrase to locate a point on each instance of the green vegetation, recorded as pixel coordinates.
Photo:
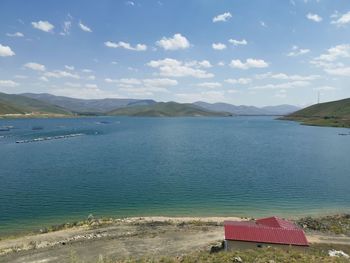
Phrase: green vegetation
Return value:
(17, 104)
(333, 114)
(315, 254)
(166, 109)
(335, 224)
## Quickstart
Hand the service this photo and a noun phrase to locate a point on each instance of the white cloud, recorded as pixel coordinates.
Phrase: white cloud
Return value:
(35, 66)
(263, 24)
(296, 51)
(242, 81)
(128, 81)
(91, 86)
(342, 20)
(84, 27)
(209, 96)
(17, 34)
(143, 87)
(8, 83)
(43, 26)
(314, 17)
(61, 74)
(339, 71)
(329, 61)
(238, 42)
(6, 51)
(72, 85)
(174, 43)
(76, 90)
(156, 82)
(222, 17)
(325, 88)
(218, 46)
(250, 63)
(43, 78)
(286, 85)
(91, 77)
(283, 76)
(160, 82)
(20, 77)
(204, 64)
(221, 63)
(87, 70)
(334, 53)
(69, 67)
(130, 3)
(120, 44)
(66, 28)
(210, 85)
(174, 68)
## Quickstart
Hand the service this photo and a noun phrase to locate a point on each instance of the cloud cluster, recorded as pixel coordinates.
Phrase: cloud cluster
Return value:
(296, 51)
(6, 51)
(43, 26)
(249, 63)
(218, 46)
(342, 20)
(175, 68)
(330, 63)
(35, 66)
(174, 43)
(209, 85)
(84, 27)
(242, 81)
(143, 87)
(16, 34)
(314, 17)
(238, 42)
(8, 83)
(222, 17)
(121, 44)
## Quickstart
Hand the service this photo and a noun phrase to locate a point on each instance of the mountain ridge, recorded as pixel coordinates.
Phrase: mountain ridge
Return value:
(333, 113)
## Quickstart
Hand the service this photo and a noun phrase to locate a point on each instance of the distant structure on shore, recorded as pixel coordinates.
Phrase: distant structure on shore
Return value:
(270, 231)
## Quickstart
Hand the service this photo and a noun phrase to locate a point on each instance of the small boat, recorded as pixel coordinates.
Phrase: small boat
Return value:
(4, 129)
(37, 128)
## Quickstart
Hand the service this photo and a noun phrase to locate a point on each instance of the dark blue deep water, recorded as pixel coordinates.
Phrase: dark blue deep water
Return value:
(169, 166)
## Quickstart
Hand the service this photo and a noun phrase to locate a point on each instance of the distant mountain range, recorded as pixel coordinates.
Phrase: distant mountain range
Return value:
(248, 110)
(88, 106)
(167, 109)
(18, 104)
(50, 104)
(334, 113)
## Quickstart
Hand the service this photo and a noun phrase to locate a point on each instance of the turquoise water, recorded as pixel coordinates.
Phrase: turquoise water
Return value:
(169, 166)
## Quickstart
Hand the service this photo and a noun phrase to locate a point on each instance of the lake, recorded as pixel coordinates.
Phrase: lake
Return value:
(120, 166)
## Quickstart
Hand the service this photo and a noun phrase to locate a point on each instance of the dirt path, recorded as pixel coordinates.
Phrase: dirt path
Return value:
(135, 237)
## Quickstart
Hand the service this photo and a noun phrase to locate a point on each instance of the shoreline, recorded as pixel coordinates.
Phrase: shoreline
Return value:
(27, 227)
(153, 235)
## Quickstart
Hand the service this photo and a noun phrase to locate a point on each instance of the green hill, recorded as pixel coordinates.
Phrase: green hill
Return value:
(17, 104)
(166, 109)
(335, 114)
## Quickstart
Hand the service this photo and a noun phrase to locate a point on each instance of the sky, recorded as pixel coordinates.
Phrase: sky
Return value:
(244, 52)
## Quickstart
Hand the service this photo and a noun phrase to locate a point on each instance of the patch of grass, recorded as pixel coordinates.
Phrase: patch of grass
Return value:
(315, 254)
(335, 224)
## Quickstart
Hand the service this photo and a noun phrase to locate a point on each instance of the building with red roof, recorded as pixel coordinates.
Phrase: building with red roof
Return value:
(270, 231)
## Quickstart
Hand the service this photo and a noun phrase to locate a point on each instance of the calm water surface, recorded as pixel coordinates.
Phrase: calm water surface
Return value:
(169, 166)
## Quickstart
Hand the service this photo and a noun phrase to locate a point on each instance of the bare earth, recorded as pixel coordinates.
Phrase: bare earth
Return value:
(123, 238)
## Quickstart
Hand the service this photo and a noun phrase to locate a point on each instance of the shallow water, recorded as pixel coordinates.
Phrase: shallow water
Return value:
(169, 166)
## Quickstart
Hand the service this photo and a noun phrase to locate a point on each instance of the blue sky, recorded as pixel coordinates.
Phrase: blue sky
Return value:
(237, 51)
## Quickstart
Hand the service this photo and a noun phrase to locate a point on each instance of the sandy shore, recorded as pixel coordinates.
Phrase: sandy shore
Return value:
(121, 238)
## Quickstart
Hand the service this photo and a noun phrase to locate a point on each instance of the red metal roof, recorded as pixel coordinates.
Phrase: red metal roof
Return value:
(276, 222)
(274, 231)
